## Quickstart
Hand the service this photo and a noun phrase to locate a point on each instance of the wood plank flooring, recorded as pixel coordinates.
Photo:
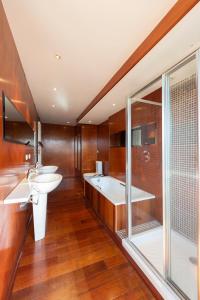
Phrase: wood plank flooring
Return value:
(77, 259)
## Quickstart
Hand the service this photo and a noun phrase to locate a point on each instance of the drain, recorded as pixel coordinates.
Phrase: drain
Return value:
(193, 260)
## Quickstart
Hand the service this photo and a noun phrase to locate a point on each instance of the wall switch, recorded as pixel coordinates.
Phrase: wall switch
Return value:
(26, 156)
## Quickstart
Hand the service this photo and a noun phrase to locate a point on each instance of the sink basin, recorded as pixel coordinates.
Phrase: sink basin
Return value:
(45, 183)
(40, 186)
(48, 169)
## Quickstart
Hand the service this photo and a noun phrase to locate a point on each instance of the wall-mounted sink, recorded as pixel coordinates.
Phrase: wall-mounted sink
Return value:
(48, 169)
(45, 183)
(41, 185)
(35, 189)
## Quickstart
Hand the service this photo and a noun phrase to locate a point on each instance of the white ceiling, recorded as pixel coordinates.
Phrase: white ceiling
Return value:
(94, 38)
(182, 40)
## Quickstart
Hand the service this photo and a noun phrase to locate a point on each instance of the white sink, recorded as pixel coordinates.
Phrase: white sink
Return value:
(35, 190)
(41, 185)
(48, 169)
(45, 183)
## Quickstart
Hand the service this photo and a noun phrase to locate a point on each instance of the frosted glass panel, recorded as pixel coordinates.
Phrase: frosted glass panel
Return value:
(182, 180)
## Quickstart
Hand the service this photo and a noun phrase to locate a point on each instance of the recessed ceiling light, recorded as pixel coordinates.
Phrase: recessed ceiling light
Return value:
(68, 122)
(89, 121)
(55, 89)
(53, 105)
(113, 104)
(58, 57)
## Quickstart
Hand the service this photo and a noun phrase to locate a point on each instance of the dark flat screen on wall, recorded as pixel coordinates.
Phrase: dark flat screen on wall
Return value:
(144, 135)
(15, 127)
(118, 139)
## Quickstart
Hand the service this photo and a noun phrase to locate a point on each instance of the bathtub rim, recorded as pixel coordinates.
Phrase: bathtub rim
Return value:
(88, 178)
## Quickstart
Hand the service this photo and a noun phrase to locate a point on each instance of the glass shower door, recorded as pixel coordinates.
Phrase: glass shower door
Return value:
(181, 176)
(145, 174)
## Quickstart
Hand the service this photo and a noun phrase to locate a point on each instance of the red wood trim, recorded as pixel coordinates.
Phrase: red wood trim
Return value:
(175, 14)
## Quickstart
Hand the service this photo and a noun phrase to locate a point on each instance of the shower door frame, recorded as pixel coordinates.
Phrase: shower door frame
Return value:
(166, 207)
(166, 220)
(130, 101)
(198, 96)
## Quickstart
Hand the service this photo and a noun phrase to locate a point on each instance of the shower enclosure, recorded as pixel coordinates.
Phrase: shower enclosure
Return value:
(163, 131)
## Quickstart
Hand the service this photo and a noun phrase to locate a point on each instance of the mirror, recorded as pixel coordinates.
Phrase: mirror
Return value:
(15, 127)
(144, 135)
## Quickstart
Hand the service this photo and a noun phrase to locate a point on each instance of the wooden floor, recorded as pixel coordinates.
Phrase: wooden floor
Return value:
(77, 259)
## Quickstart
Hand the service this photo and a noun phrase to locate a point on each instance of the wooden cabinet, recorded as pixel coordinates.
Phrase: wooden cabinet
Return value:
(106, 212)
(85, 149)
(109, 214)
(95, 200)
(113, 216)
(104, 209)
(88, 190)
(120, 220)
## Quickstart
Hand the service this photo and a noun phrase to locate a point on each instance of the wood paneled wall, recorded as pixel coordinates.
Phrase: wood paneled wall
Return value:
(85, 148)
(58, 141)
(147, 175)
(88, 148)
(103, 144)
(13, 219)
(117, 155)
(113, 157)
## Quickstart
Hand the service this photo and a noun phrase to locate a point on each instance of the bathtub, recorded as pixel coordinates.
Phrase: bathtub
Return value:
(114, 189)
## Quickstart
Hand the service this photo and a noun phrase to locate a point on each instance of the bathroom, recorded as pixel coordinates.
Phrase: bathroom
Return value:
(99, 170)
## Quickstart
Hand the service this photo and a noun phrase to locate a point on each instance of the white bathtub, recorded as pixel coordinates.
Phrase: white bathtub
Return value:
(114, 189)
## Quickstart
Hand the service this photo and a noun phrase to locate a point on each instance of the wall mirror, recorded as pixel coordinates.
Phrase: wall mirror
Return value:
(15, 128)
(144, 135)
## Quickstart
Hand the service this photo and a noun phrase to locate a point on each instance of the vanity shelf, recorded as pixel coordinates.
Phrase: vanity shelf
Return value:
(21, 193)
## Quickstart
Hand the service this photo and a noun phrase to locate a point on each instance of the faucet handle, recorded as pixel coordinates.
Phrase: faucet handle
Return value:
(30, 172)
(38, 165)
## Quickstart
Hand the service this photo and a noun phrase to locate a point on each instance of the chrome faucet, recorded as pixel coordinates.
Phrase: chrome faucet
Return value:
(38, 165)
(30, 170)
